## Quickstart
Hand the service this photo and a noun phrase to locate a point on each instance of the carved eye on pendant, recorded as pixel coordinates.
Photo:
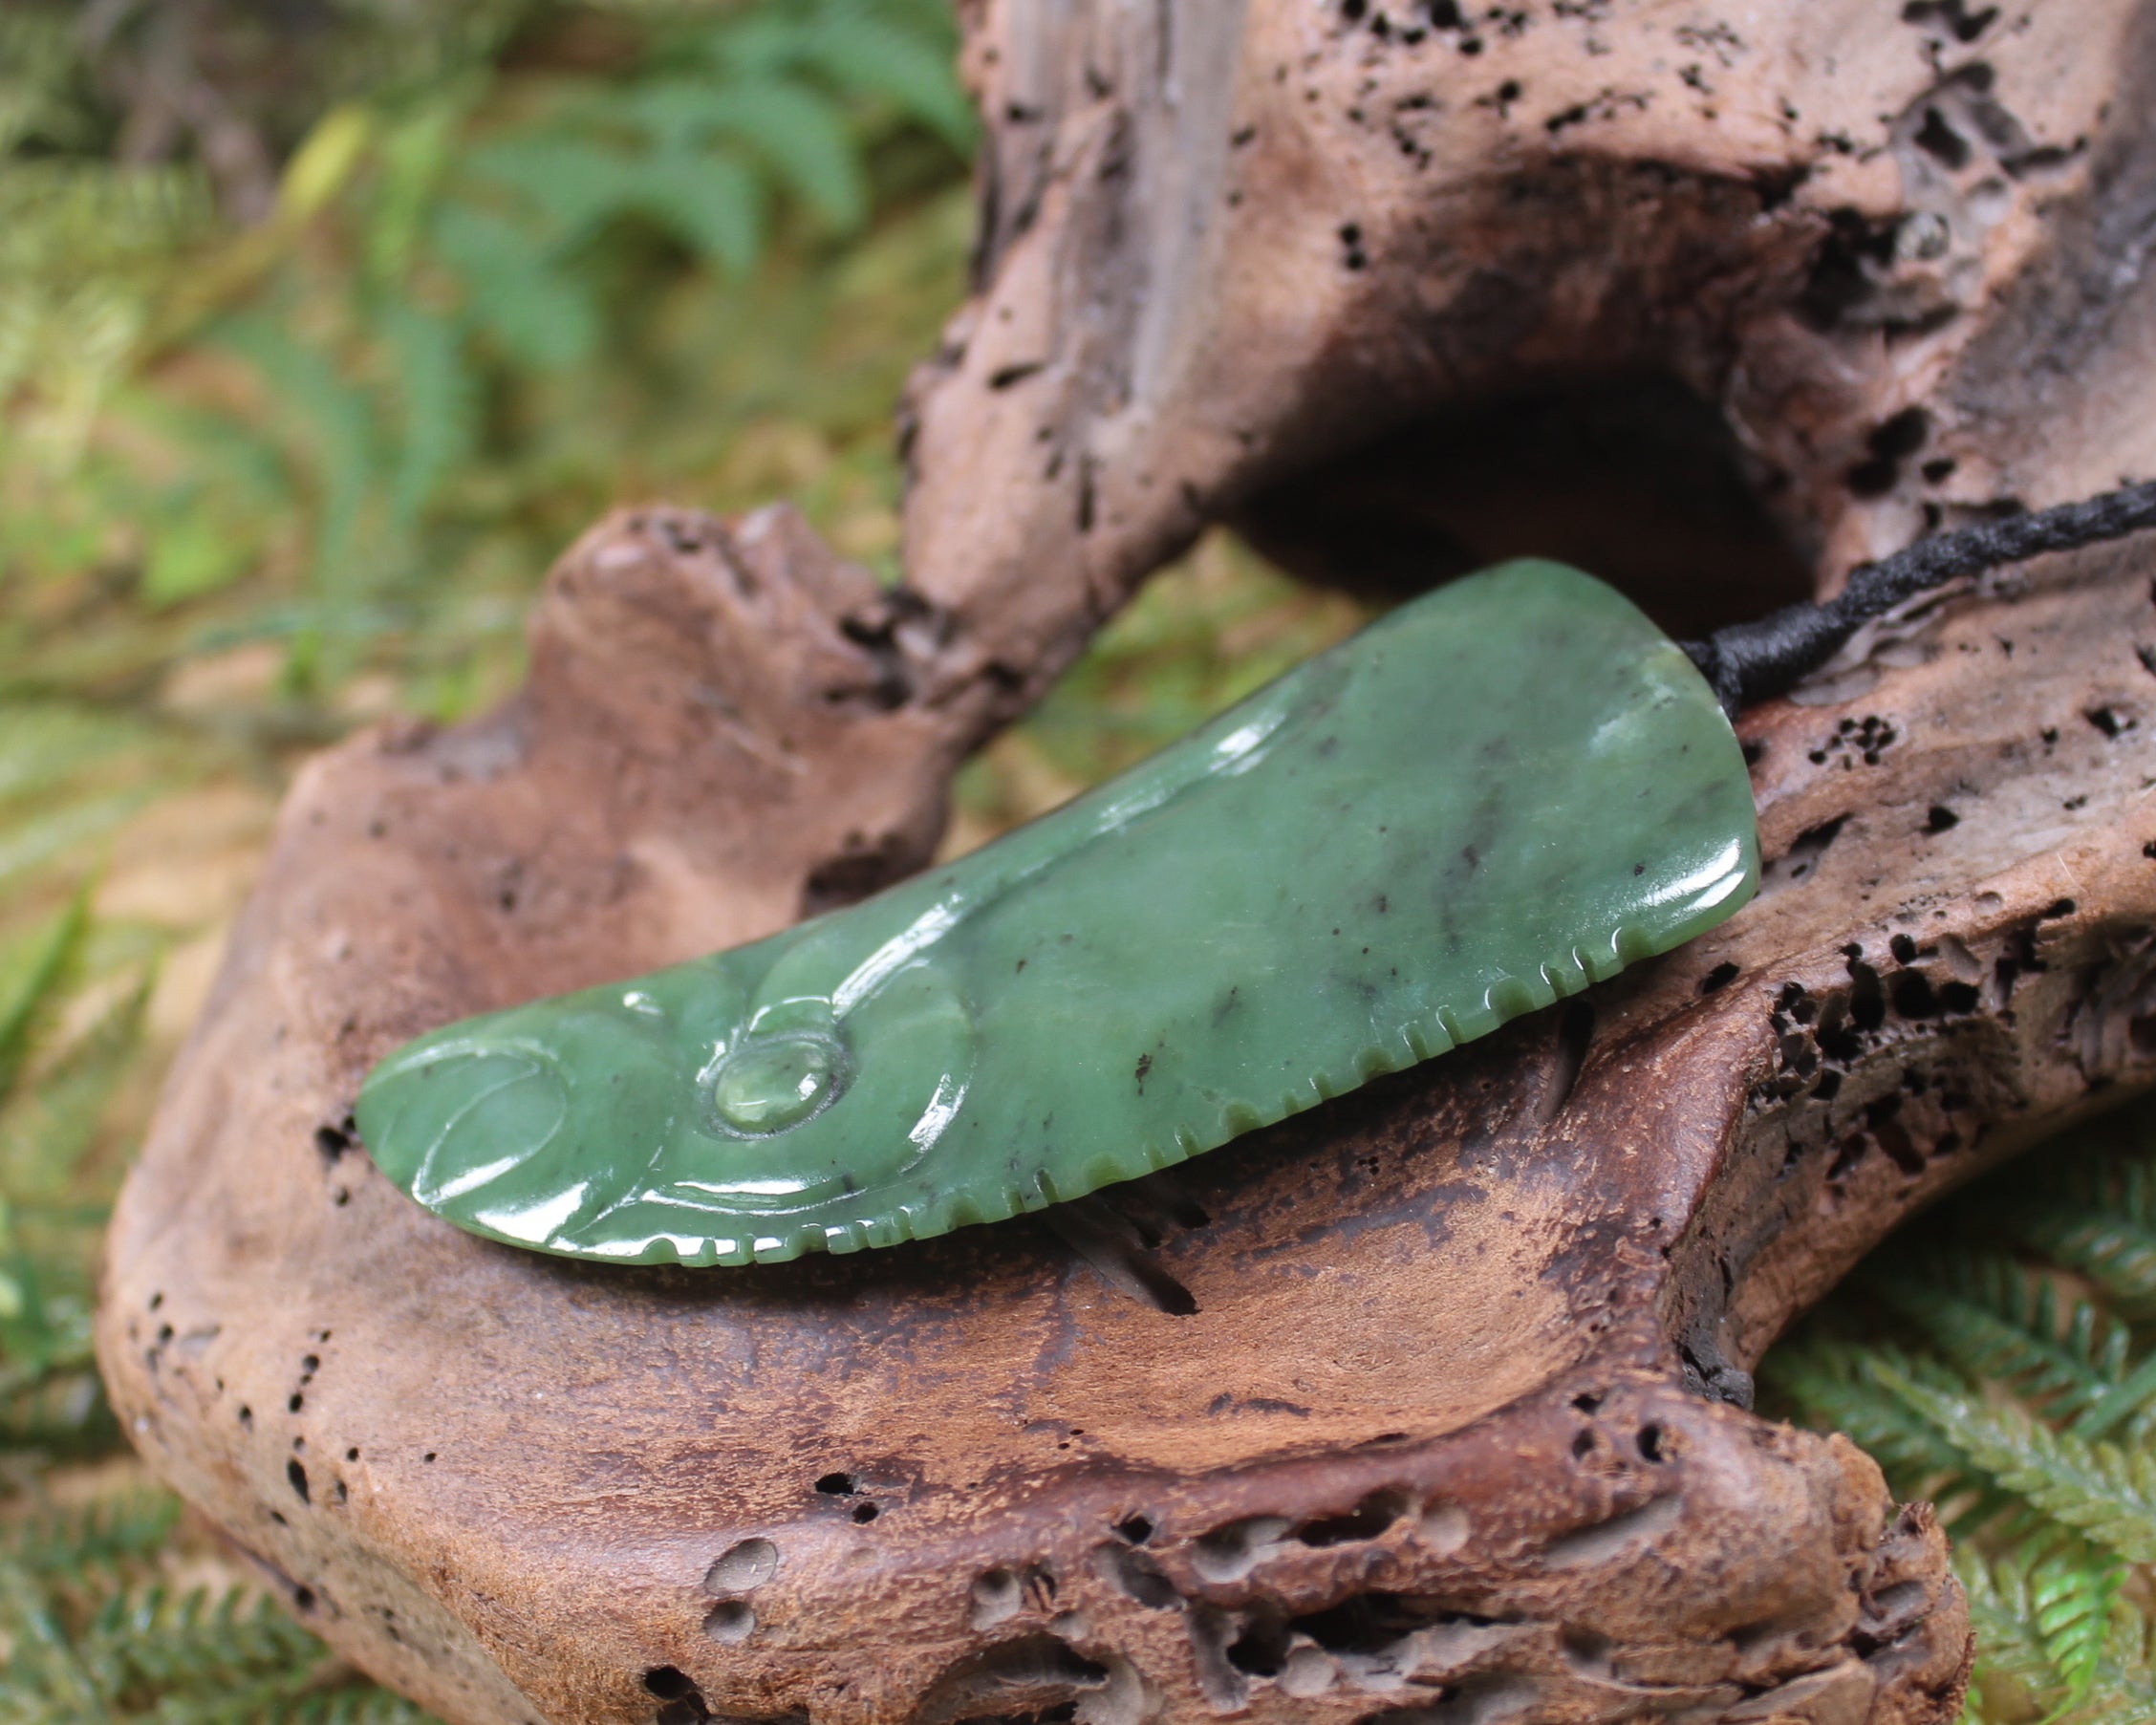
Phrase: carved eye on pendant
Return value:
(766, 1085)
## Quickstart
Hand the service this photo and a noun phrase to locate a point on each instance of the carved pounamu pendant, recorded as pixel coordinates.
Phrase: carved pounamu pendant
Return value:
(1499, 793)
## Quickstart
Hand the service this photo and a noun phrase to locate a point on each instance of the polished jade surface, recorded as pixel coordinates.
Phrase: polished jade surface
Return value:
(1496, 795)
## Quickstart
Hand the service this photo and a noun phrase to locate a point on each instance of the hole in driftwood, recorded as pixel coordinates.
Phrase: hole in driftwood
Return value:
(1032, 1677)
(1134, 1575)
(1889, 445)
(1369, 1520)
(1938, 139)
(1914, 995)
(731, 1621)
(1588, 1651)
(1636, 480)
(1118, 1251)
(996, 1596)
(1801, 859)
(1229, 1553)
(1575, 1031)
(743, 1567)
(1262, 1650)
(1605, 1540)
(1445, 1529)
(1368, 1623)
(1212, 1633)
(1955, 15)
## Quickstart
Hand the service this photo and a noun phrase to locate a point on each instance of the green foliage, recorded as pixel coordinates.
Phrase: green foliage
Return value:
(47, 1389)
(1996, 1358)
(117, 1643)
(2058, 1631)
(92, 1630)
(367, 389)
(285, 446)
(285, 435)
(115, 1534)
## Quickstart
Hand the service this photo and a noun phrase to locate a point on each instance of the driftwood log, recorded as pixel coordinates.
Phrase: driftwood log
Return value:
(1428, 1406)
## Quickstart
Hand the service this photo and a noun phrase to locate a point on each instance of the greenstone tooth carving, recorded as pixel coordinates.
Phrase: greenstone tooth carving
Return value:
(1499, 793)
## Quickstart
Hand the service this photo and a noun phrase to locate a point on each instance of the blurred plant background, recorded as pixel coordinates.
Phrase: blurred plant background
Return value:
(324, 325)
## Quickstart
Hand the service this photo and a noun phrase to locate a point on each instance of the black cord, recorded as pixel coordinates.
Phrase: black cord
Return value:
(1749, 662)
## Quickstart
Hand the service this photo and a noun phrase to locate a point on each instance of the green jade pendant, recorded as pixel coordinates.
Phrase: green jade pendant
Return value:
(1496, 795)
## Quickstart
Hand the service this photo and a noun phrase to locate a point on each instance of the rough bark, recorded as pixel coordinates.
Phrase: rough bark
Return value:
(1899, 247)
(1427, 1405)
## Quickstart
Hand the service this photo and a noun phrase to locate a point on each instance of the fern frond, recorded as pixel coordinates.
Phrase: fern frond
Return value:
(351, 1704)
(2130, 1657)
(708, 198)
(2113, 1247)
(45, 1130)
(573, 183)
(1993, 1320)
(222, 454)
(2111, 1171)
(885, 51)
(2130, 1402)
(1831, 1381)
(44, 1320)
(148, 1638)
(2001, 1613)
(2097, 1489)
(902, 53)
(331, 420)
(799, 132)
(32, 844)
(439, 398)
(71, 219)
(2070, 1597)
(56, 1410)
(31, 983)
(109, 1532)
(2005, 1609)
(514, 291)
(42, 1667)
(39, 64)
(712, 202)
(414, 156)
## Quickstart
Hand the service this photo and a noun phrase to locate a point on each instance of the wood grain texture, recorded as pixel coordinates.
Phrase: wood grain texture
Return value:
(1426, 1406)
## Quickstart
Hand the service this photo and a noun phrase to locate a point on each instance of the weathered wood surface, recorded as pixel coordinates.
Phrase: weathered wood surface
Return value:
(1427, 1404)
